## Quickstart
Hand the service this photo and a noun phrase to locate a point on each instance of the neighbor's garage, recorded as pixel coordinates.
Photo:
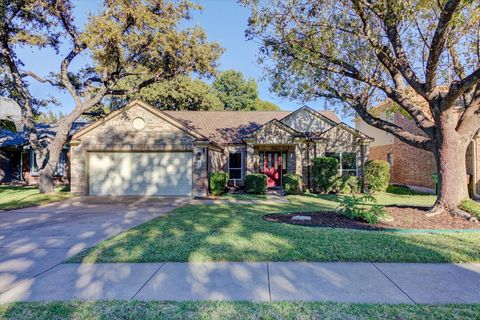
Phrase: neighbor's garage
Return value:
(140, 173)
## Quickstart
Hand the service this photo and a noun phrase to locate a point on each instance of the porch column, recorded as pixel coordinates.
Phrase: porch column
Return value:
(298, 159)
(200, 174)
(250, 163)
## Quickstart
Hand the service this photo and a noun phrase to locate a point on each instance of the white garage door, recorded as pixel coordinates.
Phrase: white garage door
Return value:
(140, 173)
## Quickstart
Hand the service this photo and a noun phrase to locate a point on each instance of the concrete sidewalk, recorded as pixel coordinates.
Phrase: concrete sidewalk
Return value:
(263, 281)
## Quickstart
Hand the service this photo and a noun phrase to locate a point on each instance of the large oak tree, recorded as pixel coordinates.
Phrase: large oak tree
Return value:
(422, 55)
(138, 40)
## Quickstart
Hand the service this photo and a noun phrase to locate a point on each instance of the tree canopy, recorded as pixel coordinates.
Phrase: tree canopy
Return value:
(422, 55)
(236, 92)
(134, 42)
(229, 91)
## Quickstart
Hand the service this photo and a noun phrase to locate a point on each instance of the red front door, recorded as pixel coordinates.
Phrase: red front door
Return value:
(272, 164)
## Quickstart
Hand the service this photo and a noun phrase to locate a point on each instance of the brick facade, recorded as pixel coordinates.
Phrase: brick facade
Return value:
(411, 166)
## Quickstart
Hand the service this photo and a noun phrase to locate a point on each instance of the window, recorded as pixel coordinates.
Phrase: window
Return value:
(59, 171)
(347, 162)
(235, 165)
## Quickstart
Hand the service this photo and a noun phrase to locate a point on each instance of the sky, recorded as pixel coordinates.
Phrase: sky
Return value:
(224, 21)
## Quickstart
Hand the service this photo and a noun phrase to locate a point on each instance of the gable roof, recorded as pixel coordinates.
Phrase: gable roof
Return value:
(325, 115)
(161, 114)
(277, 123)
(230, 127)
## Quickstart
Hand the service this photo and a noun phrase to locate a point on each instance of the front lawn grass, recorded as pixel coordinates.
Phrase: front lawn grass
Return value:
(238, 233)
(16, 197)
(243, 196)
(471, 206)
(232, 310)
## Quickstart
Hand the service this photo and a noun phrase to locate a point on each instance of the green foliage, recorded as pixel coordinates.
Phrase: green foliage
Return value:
(471, 206)
(377, 175)
(403, 190)
(125, 46)
(235, 91)
(180, 93)
(363, 208)
(347, 184)
(325, 170)
(263, 105)
(292, 183)
(49, 117)
(142, 40)
(218, 182)
(256, 183)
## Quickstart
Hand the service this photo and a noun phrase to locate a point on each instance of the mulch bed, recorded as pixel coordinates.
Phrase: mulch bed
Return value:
(399, 218)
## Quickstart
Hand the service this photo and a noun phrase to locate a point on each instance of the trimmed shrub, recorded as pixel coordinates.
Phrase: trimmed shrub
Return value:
(256, 183)
(403, 190)
(325, 170)
(377, 175)
(292, 183)
(218, 181)
(347, 184)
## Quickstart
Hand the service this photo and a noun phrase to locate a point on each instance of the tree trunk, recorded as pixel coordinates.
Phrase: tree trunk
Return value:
(45, 181)
(49, 165)
(450, 157)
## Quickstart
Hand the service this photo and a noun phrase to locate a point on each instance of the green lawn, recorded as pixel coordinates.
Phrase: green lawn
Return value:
(244, 196)
(472, 207)
(238, 233)
(22, 197)
(232, 310)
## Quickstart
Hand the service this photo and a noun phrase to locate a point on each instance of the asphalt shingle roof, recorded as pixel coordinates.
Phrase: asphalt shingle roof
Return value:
(18, 139)
(229, 127)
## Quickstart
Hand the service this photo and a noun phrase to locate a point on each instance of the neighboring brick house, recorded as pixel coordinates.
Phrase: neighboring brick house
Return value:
(17, 159)
(140, 150)
(411, 166)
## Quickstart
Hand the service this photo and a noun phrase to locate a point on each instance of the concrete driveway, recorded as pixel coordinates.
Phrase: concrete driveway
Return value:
(35, 240)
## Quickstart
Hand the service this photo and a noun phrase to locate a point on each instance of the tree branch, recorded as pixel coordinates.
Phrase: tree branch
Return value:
(384, 55)
(359, 105)
(438, 42)
(457, 88)
(37, 77)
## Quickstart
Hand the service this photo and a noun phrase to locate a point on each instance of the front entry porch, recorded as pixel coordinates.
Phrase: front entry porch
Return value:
(274, 165)
(272, 160)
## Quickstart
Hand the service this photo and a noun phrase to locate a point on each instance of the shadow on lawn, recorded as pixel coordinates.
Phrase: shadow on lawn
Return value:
(238, 233)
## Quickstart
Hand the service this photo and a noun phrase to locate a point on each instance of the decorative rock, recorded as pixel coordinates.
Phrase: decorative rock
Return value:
(302, 218)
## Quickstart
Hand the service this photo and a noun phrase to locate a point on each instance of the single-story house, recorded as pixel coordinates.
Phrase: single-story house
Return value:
(141, 150)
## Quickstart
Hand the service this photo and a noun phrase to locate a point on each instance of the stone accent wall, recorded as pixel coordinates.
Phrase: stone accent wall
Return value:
(118, 134)
(272, 134)
(305, 120)
(217, 161)
(199, 171)
(251, 161)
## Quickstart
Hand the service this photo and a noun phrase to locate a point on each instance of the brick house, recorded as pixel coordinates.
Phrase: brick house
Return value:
(140, 150)
(412, 166)
(17, 159)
